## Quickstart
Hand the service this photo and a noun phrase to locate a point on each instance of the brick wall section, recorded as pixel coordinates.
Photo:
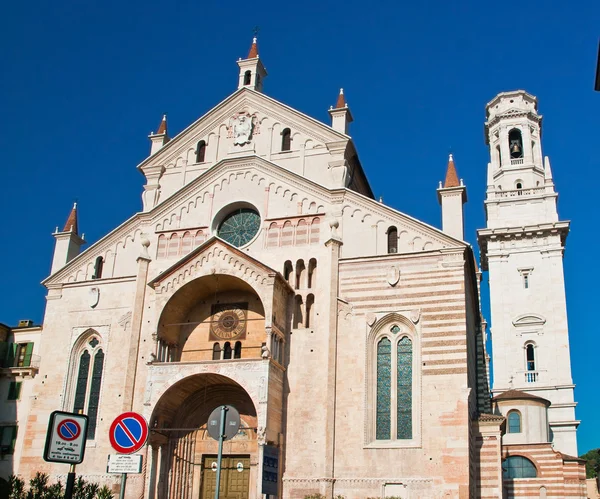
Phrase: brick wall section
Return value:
(487, 444)
(562, 476)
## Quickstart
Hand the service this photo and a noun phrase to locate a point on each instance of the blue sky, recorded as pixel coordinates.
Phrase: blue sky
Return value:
(84, 82)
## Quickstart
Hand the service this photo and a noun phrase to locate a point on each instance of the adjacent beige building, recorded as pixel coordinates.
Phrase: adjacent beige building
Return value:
(263, 274)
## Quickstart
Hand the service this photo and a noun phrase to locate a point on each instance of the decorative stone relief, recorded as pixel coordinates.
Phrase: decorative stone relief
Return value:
(125, 320)
(241, 126)
(415, 315)
(393, 276)
(93, 296)
(371, 318)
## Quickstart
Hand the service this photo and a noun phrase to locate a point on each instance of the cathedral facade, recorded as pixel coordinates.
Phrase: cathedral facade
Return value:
(262, 273)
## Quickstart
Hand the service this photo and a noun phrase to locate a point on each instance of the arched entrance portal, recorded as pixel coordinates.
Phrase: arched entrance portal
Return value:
(184, 453)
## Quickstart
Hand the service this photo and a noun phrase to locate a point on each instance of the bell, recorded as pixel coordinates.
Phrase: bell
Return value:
(515, 149)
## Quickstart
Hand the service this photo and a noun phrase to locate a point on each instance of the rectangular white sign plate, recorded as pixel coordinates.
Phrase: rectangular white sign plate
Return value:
(66, 437)
(124, 463)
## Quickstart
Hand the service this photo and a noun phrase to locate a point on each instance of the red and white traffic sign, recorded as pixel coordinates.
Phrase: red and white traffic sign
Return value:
(128, 433)
(65, 440)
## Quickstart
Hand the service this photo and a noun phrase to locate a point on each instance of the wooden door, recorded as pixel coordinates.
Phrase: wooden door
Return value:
(235, 477)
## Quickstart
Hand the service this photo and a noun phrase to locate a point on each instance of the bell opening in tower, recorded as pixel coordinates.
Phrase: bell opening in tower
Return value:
(515, 144)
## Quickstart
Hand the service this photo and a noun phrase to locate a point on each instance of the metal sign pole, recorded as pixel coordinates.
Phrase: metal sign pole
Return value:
(224, 410)
(123, 483)
(70, 483)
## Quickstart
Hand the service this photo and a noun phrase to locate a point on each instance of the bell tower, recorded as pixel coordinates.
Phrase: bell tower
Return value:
(252, 71)
(522, 247)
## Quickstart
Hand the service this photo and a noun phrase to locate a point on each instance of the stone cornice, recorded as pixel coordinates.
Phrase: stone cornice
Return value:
(484, 236)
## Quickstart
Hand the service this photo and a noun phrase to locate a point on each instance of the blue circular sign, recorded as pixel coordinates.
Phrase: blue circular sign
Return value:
(128, 433)
(68, 429)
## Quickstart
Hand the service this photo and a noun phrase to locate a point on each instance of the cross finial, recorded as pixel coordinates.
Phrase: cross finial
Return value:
(255, 31)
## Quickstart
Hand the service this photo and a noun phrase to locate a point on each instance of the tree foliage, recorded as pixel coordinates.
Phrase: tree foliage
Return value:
(40, 488)
(592, 466)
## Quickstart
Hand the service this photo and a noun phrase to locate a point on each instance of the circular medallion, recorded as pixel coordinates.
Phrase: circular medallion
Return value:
(229, 324)
(239, 227)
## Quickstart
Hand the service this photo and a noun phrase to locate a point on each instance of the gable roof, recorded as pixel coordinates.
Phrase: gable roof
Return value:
(345, 196)
(242, 96)
(209, 243)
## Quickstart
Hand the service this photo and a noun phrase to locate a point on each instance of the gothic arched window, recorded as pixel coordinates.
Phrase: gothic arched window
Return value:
(394, 369)
(286, 139)
(90, 366)
(200, 151)
(514, 422)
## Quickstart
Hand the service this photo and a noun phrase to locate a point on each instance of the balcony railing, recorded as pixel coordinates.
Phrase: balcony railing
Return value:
(531, 376)
(518, 161)
(520, 192)
(29, 361)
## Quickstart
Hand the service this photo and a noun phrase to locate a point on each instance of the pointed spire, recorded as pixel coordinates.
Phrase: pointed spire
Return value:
(253, 52)
(162, 128)
(71, 224)
(341, 101)
(451, 176)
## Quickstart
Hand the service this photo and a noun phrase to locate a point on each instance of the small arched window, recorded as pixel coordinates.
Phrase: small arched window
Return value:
(216, 352)
(312, 273)
(514, 422)
(300, 274)
(298, 318)
(98, 265)
(288, 270)
(247, 77)
(237, 350)
(286, 139)
(530, 353)
(518, 467)
(227, 350)
(392, 236)
(515, 143)
(310, 303)
(200, 151)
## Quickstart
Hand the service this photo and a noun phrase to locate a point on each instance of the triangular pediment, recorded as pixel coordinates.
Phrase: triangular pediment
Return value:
(204, 261)
(266, 112)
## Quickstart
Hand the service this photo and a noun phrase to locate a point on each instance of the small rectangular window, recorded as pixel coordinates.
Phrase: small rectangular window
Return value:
(526, 281)
(14, 390)
(8, 437)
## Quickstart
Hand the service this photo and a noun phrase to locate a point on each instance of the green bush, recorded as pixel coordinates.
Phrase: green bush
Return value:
(39, 488)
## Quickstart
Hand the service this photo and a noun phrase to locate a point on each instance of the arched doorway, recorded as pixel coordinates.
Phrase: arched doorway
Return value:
(184, 455)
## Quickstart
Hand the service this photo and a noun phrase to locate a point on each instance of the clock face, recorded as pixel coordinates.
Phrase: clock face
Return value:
(228, 321)
(239, 227)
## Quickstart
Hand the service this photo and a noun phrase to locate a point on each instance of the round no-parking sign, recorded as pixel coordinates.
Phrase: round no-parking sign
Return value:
(128, 433)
